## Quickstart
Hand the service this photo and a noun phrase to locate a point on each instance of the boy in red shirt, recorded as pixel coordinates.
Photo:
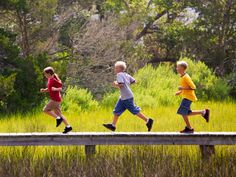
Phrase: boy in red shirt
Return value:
(53, 108)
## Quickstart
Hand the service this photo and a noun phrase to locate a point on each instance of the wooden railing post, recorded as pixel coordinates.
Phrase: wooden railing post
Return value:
(207, 150)
(90, 150)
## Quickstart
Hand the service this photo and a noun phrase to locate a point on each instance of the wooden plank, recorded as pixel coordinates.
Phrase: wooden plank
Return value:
(117, 138)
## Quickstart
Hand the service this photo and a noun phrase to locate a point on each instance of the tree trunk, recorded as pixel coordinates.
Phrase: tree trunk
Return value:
(22, 23)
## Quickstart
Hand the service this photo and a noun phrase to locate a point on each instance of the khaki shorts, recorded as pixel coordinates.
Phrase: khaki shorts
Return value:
(53, 106)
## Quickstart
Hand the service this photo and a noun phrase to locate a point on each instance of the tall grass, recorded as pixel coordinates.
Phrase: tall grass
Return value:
(133, 161)
(120, 161)
(222, 119)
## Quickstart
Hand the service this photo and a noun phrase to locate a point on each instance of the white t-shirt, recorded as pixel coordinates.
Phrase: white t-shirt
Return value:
(125, 91)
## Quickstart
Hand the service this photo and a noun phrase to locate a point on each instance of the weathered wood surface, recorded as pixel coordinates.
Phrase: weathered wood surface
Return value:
(117, 138)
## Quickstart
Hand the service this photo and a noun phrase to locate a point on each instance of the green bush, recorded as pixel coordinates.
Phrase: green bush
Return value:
(231, 80)
(23, 94)
(157, 86)
(154, 87)
(209, 86)
(77, 100)
(6, 88)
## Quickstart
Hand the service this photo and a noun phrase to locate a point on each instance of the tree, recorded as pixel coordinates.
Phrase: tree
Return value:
(215, 34)
(31, 20)
(169, 32)
(20, 78)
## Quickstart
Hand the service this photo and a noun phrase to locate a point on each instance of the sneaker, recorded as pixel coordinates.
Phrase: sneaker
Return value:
(149, 124)
(67, 129)
(59, 121)
(206, 116)
(187, 130)
(110, 127)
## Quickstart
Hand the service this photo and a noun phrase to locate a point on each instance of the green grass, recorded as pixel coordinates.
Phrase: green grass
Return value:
(120, 161)
(222, 119)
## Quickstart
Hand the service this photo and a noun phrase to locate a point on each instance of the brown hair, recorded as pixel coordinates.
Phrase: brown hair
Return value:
(50, 70)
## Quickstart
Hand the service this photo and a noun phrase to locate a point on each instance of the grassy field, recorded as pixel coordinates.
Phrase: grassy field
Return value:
(120, 161)
(222, 119)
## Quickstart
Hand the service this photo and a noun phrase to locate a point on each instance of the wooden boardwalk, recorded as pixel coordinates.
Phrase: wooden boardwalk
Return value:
(206, 140)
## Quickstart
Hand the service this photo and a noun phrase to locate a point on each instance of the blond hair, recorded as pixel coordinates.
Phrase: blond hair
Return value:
(183, 64)
(121, 64)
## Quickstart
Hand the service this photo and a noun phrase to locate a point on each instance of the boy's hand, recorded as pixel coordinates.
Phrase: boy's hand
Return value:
(42, 90)
(115, 84)
(178, 93)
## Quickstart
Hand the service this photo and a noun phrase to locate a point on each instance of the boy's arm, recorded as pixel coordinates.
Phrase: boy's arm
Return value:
(57, 89)
(42, 90)
(132, 80)
(185, 88)
(57, 83)
(117, 85)
(56, 86)
(178, 92)
(191, 85)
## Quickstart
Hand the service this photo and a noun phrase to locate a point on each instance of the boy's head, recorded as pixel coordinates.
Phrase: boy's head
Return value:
(48, 72)
(120, 66)
(181, 66)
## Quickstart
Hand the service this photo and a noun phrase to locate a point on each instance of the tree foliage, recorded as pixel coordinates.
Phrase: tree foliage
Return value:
(82, 39)
(20, 77)
(204, 30)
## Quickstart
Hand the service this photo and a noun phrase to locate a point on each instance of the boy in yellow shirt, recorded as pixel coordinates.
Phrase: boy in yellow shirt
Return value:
(187, 91)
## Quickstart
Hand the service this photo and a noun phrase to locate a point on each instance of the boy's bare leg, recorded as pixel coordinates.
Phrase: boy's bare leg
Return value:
(142, 116)
(64, 120)
(199, 112)
(51, 113)
(115, 119)
(185, 117)
(62, 116)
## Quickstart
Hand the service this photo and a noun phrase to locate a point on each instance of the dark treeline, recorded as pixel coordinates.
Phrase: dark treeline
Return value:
(82, 39)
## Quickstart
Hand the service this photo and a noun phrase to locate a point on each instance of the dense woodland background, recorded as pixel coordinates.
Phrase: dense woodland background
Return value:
(83, 39)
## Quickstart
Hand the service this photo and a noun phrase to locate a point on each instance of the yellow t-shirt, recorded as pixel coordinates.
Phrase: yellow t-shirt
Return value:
(186, 81)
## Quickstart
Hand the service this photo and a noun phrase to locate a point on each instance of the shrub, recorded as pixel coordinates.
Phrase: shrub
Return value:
(231, 79)
(20, 77)
(154, 87)
(77, 100)
(157, 86)
(110, 99)
(6, 88)
(209, 86)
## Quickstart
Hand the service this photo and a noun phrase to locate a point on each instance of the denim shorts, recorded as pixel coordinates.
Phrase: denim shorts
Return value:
(184, 108)
(122, 105)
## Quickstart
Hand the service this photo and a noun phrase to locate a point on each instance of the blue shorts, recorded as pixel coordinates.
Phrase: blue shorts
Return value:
(122, 105)
(184, 108)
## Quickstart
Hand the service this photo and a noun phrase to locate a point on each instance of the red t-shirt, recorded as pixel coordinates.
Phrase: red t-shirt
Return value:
(54, 95)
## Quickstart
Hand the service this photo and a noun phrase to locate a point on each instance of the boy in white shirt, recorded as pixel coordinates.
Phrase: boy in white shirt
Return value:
(126, 100)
